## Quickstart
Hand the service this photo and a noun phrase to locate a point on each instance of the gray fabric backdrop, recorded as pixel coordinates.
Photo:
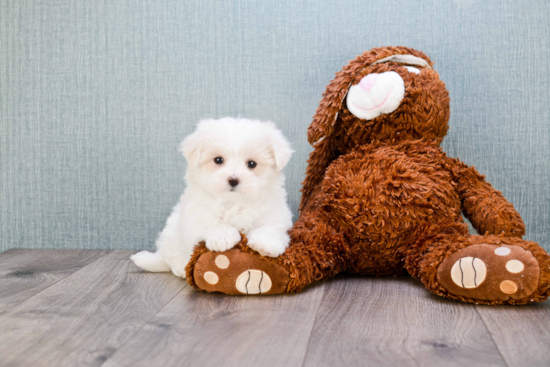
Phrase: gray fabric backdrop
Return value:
(95, 96)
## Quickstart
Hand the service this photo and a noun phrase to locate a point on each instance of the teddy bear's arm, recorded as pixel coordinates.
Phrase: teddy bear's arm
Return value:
(485, 207)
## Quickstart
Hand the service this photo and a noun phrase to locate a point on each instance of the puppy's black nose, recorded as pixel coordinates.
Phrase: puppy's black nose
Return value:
(233, 182)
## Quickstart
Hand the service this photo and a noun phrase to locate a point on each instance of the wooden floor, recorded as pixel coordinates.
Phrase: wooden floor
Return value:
(94, 307)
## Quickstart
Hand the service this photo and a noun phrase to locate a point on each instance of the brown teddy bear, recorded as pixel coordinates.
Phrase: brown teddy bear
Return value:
(381, 198)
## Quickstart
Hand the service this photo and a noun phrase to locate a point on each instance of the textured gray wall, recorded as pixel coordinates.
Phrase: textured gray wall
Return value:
(95, 96)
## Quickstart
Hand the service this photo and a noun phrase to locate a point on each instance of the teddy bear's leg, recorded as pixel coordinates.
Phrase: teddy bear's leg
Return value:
(316, 251)
(492, 269)
(239, 270)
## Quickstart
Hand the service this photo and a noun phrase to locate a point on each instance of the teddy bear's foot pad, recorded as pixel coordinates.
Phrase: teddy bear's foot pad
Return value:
(238, 272)
(490, 272)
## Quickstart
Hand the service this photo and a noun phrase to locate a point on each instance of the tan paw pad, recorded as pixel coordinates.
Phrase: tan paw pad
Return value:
(502, 251)
(222, 261)
(514, 266)
(493, 272)
(211, 277)
(468, 272)
(253, 282)
(508, 287)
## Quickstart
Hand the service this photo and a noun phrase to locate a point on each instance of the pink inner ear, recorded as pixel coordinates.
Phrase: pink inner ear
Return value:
(368, 82)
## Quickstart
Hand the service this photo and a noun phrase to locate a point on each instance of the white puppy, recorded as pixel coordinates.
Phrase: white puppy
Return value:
(234, 184)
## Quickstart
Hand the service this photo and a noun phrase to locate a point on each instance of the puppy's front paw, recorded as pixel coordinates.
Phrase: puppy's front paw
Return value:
(222, 239)
(268, 241)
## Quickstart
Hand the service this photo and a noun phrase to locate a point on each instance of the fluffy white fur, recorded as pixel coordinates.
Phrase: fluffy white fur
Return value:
(212, 210)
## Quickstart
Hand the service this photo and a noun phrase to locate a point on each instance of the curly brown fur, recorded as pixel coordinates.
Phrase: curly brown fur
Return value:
(381, 197)
(189, 269)
(486, 208)
(411, 121)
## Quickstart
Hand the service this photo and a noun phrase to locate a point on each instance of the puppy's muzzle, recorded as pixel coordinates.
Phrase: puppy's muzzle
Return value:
(233, 181)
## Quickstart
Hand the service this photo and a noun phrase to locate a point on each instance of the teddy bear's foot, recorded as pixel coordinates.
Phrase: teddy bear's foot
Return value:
(490, 272)
(238, 272)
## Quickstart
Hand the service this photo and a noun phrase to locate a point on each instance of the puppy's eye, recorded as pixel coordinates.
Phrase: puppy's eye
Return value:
(218, 160)
(251, 164)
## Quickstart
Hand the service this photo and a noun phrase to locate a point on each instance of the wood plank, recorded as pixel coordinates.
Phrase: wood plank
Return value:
(367, 321)
(24, 273)
(521, 333)
(110, 363)
(200, 329)
(84, 318)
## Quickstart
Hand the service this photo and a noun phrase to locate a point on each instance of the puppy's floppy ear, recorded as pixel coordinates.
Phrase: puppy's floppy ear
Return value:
(280, 146)
(191, 148)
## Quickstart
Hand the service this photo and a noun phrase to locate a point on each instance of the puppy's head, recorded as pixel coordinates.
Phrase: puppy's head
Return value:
(236, 159)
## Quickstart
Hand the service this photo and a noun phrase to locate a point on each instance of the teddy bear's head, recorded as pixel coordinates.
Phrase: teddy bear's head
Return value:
(388, 94)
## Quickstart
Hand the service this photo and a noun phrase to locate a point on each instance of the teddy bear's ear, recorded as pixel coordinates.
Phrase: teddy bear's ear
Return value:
(333, 98)
(327, 112)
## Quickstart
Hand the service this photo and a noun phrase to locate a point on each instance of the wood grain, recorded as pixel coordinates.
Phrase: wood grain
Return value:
(201, 329)
(110, 363)
(84, 318)
(24, 273)
(395, 321)
(77, 307)
(522, 334)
